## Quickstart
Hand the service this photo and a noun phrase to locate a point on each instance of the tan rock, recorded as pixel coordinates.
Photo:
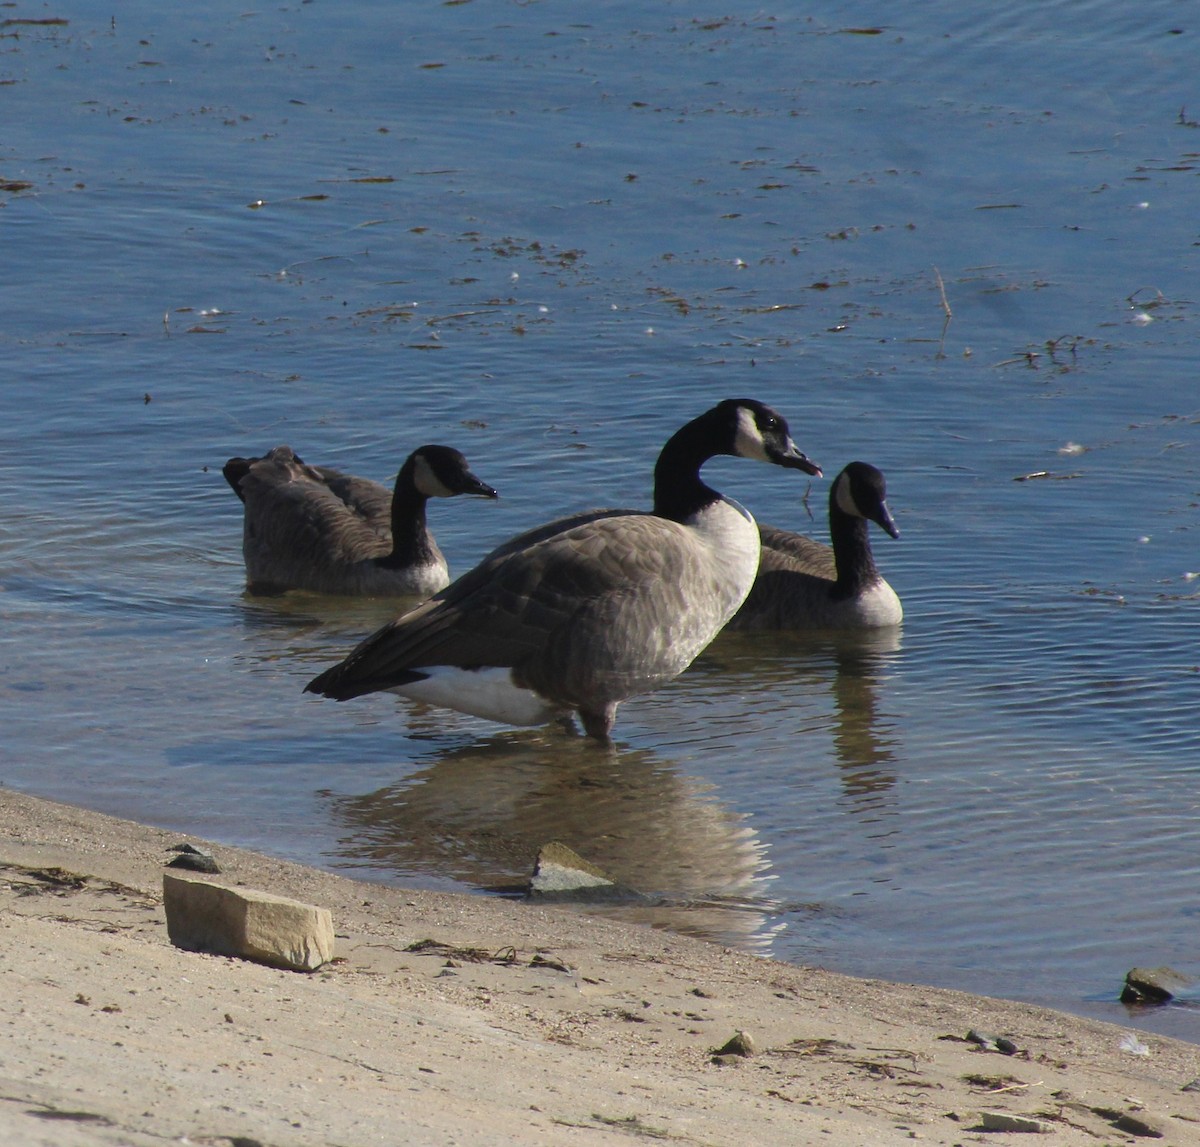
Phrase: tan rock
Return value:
(561, 873)
(1009, 1121)
(740, 1043)
(207, 917)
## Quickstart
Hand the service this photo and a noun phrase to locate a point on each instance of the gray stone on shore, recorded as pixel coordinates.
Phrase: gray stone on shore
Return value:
(207, 917)
(193, 858)
(988, 1042)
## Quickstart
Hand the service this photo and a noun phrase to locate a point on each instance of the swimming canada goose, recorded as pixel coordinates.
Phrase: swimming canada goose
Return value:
(313, 528)
(804, 584)
(586, 612)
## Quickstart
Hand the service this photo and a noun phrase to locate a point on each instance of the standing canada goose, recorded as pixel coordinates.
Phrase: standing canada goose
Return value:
(803, 584)
(313, 528)
(585, 612)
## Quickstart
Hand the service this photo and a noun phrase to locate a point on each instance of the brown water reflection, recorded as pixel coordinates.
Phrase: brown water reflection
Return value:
(844, 673)
(480, 813)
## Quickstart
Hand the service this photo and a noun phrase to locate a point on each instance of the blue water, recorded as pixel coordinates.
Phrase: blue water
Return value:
(549, 236)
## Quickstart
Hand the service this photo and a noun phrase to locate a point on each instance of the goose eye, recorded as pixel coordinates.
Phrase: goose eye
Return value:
(770, 422)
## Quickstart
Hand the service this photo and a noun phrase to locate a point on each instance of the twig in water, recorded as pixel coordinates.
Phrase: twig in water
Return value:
(942, 292)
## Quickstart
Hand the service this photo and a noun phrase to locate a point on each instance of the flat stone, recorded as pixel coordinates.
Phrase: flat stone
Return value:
(1007, 1121)
(207, 917)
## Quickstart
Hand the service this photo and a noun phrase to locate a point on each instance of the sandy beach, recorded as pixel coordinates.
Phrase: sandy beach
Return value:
(457, 1019)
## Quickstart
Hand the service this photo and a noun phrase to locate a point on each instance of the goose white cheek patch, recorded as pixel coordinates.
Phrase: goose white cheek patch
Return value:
(845, 498)
(749, 440)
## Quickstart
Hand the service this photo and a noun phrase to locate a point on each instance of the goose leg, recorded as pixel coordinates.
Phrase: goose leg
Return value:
(598, 723)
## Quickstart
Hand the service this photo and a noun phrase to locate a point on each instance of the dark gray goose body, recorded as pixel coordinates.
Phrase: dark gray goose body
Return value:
(584, 613)
(317, 529)
(804, 584)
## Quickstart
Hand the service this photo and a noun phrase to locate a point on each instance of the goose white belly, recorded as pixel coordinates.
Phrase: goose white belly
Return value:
(369, 579)
(361, 579)
(489, 693)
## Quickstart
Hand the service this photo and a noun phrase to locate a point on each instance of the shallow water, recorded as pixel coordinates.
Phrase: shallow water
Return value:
(549, 241)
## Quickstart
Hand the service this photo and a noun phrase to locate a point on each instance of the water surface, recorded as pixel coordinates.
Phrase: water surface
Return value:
(549, 237)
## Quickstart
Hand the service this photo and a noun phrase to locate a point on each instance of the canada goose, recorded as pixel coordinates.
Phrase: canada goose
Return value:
(583, 613)
(804, 584)
(313, 528)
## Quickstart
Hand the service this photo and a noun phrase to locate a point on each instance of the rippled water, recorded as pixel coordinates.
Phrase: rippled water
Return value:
(549, 237)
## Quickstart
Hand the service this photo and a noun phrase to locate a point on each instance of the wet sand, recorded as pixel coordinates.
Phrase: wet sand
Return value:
(457, 1019)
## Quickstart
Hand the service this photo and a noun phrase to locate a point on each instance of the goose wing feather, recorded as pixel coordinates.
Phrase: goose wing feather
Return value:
(371, 501)
(783, 550)
(294, 514)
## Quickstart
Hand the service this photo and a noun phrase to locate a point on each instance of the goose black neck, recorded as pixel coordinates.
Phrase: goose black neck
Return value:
(412, 544)
(852, 555)
(679, 492)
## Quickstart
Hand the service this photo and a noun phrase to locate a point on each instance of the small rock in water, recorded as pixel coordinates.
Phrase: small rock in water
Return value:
(1153, 985)
(562, 874)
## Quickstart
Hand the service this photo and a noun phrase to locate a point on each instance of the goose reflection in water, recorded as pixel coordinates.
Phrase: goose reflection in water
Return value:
(832, 682)
(479, 806)
(480, 813)
(864, 739)
(333, 620)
